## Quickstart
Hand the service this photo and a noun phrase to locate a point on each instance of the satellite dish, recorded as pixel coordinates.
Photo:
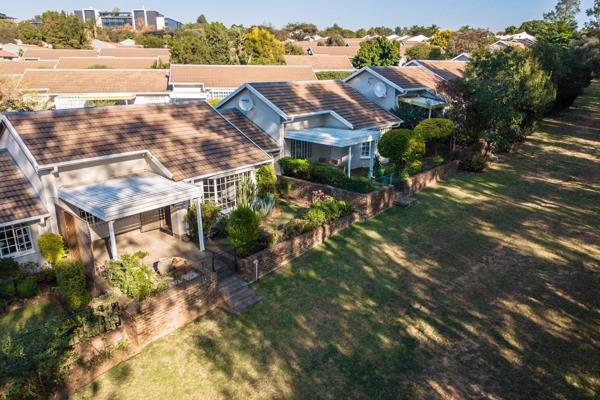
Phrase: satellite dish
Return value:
(379, 89)
(246, 103)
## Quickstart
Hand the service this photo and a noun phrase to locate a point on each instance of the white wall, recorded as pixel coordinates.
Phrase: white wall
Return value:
(364, 83)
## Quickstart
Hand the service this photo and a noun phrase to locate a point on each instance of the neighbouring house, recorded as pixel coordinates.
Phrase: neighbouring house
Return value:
(107, 62)
(417, 39)
(446, 70)
(321, 63)
(503, 44)
(18, 67)
(163, 54)
(387, 86)
(127, 186)
(40, 53)
(324, 121)
(75, 88)
(464, 57)
(128, 43)
(215, 82)
(348, 51)
(522, 37)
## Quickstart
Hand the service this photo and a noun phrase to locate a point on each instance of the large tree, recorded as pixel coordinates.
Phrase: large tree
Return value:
(63, 31)
(262, 47)
(424, 51)
(188, 49)
(377, 51)
(469, 40)
(594, 14)
(8, 31)
(217, 43)
(564, 11)
(28, 33)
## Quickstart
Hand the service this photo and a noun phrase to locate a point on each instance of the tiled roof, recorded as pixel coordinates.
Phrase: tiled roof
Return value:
(7, 54)
(18, 67)
(108, 62)
(447, 69)
(95, 80)
(17, 199)
(55, 54)
(321, 62)
(190, 140)
(348, 51)
(296, 98)
(163, 54)
(9, 81)
(409, 77)
(253, 131)
(232, 76)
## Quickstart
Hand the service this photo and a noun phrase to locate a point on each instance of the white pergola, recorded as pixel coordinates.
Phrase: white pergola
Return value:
(123, 197)
(341, 138)
(424, 102)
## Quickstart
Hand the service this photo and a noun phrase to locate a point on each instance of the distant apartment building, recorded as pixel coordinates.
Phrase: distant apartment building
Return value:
(138, 19)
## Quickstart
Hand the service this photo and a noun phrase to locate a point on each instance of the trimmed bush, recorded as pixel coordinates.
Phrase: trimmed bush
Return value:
(402, 147)
(27, 288)
(435, 129)
(51, 247)
(7, 289)
(359, 184)
(474, 163)
(70, 276)
(243, 230)
(296, 167)
(137, 280)
(266, 180)
(333, 209)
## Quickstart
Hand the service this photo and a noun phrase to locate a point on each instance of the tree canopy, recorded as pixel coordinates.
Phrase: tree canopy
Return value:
(261, 47)
(424, 51)
(378, 51)
(63, 31)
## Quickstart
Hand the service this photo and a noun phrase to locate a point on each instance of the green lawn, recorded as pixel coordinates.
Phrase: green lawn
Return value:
(487, 287)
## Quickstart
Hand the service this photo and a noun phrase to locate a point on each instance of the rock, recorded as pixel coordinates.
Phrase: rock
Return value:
(164, 265)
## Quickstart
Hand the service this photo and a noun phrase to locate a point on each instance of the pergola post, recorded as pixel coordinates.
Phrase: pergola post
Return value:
(199, 221)
(372, 147)
(113, 241)
(429, 113)
(349, 159)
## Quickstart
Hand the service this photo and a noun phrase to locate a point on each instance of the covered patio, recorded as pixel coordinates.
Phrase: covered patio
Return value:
(125, 203)
(424, 102)
(343, 140)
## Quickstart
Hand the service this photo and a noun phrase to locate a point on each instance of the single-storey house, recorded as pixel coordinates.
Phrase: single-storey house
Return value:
(443, 69)
(76, 88)
(323, 121)
(387, 86)
(129, 183)
(163, 54)
(41, 53)
(7, 55)
(18, 67)
(215, 82)
(107, 62)
(321, 63)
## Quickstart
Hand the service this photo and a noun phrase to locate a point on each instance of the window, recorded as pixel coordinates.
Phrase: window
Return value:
(222, 190)
(89, 218)
(365, 150)
(299, 149)
(15, 239)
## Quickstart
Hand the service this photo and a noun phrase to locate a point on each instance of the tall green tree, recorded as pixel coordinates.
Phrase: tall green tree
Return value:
(188, 49)
(335, 40)
(63, 31)
(594, 14)
(469, 40)
(424, 51)
(377, 51)
(28, 33)
(217, 44)
(564, 11)
(262, 47)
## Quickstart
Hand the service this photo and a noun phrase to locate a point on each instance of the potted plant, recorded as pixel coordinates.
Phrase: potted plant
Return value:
(379, 170)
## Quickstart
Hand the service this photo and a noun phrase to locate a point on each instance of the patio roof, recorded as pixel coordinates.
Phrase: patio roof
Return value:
(131, 195)
(333, 136)
(424, 102)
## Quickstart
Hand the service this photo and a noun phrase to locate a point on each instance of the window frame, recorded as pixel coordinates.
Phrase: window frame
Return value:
(362, 148)
(222, 190)
(300, 149)
(22, 237)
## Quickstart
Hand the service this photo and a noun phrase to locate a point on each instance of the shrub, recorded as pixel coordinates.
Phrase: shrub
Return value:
(435, 129)
(9, 268)
(133, 277)
(51, 247)
(245, 193)
(474, 163)
(266, 180)
(210, 213)
(7, 289)
(27, 288)
(296, 167)
(327, 175)
(333, 209)
(315, 217)
(401, 146)
(415, 167)
(359, 185)
(284, 186)
(264, 205)
(243, 230)
(294, 228)
(70, 276)
(438, 160)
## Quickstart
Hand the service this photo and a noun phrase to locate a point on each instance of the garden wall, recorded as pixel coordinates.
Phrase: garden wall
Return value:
(420, 181)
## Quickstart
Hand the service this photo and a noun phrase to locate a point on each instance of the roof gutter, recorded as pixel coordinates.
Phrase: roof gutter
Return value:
(41, 218)
(229, 171)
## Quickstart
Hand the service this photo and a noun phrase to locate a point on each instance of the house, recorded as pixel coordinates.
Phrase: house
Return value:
(348, 51)
(443, 69)
(7, 55)
(163, 54)
(107, 62)
(387, 86)
(417, 39)
(75, 88)
(128, 43)
(323, 121)
(321, 63)
(40, 53)
(503, 44)
(464, 57)
(18, 67)
(215, 82)
(136, 19)
(128, 184)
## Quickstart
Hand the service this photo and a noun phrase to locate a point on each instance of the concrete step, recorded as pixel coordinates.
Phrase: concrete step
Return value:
(241, 307)
(405, 201)
(237, 295)
(232, 288)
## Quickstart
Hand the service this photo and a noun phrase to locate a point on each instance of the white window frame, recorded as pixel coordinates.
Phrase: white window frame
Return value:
(300, 150)
(222, 190)
(23, 240)
(369, 146)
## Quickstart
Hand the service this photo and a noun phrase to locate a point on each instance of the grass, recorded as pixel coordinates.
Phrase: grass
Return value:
(486, 288)
(283, 213)
(33, 314)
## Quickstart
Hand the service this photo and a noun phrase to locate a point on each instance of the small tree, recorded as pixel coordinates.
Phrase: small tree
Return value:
(266, 180)
(70, 276)
(379, 52)
(424, 51)
(262, 47)
(293, 49)
(51, 247)
(243, 230)
(402, 147)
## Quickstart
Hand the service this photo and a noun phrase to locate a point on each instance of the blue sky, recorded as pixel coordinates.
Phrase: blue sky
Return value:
(493, 14)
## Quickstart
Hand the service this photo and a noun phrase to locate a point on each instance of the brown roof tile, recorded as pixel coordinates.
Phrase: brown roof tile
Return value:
(190, 139)
(18, 67)
(7, 54)
(17, 199)
(95, 80)
(409, 77)
(447, 69)
(348, 51)
(107, 62)
(55, 54)
(163, 54)
(322, 62)
(9, 82)
(232, 76)
(253, 131)
(296, 98)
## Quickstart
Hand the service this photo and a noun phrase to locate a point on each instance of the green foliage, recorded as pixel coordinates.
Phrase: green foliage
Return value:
(9, 268)
(210, 213)
(474, 163)
(469, 40)
(284, 186)
(442, 39)
(243, 230)
(377, 52)
(101, 103)
(435, 129)
(51, 247)
(245, 193)
(46, 275)
(402, 147)
(63, 31)
(27, 288)
(594, 14)
(150, 40)
(70, 275)
(188, 49)
(294, 228)
(333, 209)
(564, 11)
(335, 75)
(438, 160)
(266, 180)
(335, 40)
(137, 280)
(261, 47)
(293, 50)
(7, 289)
(411, 115)
(296, 167)
(315, 217)
(264, 205)
(8, 31)
(424, 51)
(217, 43)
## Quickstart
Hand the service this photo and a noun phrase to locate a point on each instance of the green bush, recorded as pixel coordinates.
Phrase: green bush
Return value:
(27, 288)
(243, 230)
(70, 276)
(9, 268)
(137, 280)
(359, 184)
(296, 167)
(284, 186)
(474, 163)
(210, 213)
(51, 247)
(438, 160)
(245, 194)
(415, 167)
(315, 217)
(294, 228)
(435, 129)
(266, 180)
(7, 289)
(327, 175)
(333, 209)
(402, 147)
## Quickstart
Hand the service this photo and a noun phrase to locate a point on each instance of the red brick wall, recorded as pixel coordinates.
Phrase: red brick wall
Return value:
(420, 181)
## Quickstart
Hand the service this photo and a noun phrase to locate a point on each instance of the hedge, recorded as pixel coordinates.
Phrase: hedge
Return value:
(70, 276)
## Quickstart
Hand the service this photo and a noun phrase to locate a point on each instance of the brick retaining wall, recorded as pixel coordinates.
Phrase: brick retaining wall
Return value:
(420, 181)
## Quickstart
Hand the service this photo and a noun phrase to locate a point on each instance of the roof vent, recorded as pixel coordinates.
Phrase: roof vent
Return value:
(246, 103)
(379, 89)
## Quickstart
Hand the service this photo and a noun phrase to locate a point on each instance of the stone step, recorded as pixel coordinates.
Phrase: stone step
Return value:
(241, 307)
(237, 295)
(405, 201)
(232, 288)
